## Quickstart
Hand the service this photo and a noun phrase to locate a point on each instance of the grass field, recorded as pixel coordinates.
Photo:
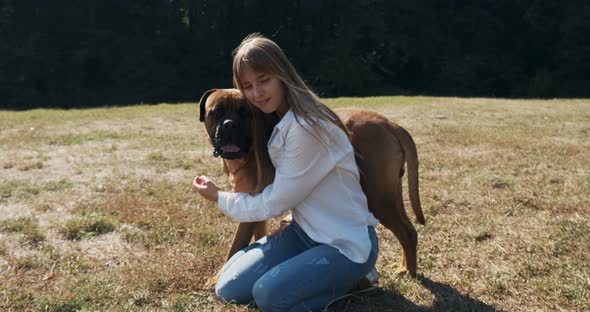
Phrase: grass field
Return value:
(97, 213)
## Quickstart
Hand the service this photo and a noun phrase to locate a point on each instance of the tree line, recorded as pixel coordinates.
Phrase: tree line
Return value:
(116, 52)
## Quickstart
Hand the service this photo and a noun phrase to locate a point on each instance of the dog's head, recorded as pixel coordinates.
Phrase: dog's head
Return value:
(228, 121)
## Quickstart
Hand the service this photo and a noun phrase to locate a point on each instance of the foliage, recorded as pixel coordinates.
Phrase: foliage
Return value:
(111, 52)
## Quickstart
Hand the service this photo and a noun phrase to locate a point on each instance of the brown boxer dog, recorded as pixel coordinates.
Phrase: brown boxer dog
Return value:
(239, 134)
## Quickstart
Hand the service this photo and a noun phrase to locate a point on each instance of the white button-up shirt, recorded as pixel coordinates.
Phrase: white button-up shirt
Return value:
(319, 181)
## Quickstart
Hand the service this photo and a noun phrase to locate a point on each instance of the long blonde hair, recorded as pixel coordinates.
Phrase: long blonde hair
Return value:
(265, 56)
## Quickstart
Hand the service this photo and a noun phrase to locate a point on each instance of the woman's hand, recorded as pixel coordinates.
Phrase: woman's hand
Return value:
(206, 187)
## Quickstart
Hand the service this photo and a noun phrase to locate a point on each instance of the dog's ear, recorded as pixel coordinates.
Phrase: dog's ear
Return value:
(202, 103)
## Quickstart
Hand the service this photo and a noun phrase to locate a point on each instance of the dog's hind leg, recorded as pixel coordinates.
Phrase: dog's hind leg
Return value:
(398, 222)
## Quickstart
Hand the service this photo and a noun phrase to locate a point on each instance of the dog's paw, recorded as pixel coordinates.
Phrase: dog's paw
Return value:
(369, 280)
(362, 284)
(403, 271)
(210, 283)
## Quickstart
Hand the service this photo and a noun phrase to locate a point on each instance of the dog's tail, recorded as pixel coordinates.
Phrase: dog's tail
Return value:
(411, 157)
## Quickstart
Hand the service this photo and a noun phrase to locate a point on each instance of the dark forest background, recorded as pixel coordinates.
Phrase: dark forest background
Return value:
(57, 53)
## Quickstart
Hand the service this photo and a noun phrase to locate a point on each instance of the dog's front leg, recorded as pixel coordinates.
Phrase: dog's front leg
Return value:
(242, 238)
(244, 235)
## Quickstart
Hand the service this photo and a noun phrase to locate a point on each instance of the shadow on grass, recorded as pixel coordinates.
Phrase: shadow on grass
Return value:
(446, 298)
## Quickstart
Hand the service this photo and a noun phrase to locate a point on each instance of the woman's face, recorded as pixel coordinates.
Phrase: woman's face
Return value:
(265, 91)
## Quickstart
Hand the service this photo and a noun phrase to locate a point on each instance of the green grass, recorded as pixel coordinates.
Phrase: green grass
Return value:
(155, 157)
(26, 226)
(505, 189)
(80, 139)
(23, 190)
(87, 226)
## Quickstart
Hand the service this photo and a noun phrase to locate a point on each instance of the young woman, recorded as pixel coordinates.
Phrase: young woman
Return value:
(331, 243)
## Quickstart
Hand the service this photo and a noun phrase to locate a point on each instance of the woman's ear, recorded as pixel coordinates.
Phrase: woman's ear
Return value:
(202, 103)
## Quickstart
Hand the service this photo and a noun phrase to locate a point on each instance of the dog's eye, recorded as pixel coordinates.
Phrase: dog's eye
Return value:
(217, 113)
(244, 111)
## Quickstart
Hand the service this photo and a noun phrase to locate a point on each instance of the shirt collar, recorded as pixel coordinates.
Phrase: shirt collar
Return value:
(289, 116)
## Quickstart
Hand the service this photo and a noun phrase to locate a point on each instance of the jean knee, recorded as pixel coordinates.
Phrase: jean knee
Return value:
(268, 295)
(265, 297)
(233, 291)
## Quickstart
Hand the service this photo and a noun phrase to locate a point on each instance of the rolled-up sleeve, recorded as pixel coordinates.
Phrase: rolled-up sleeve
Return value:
(303, 164)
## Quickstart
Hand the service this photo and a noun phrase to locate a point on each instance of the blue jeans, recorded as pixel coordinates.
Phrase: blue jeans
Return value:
(291, 272)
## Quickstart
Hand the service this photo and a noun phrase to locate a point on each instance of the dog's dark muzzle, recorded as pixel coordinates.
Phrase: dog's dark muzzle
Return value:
(231, 140)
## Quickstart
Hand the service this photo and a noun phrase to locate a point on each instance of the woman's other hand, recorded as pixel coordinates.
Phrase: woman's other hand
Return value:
(206, 187)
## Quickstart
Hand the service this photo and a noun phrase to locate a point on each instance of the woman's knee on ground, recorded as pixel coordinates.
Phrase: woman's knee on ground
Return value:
(233, 290)
(268, 297)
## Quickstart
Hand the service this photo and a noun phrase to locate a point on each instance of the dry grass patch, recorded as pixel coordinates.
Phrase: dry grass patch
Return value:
(30, 166)
(3, 249)
(159, 213)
